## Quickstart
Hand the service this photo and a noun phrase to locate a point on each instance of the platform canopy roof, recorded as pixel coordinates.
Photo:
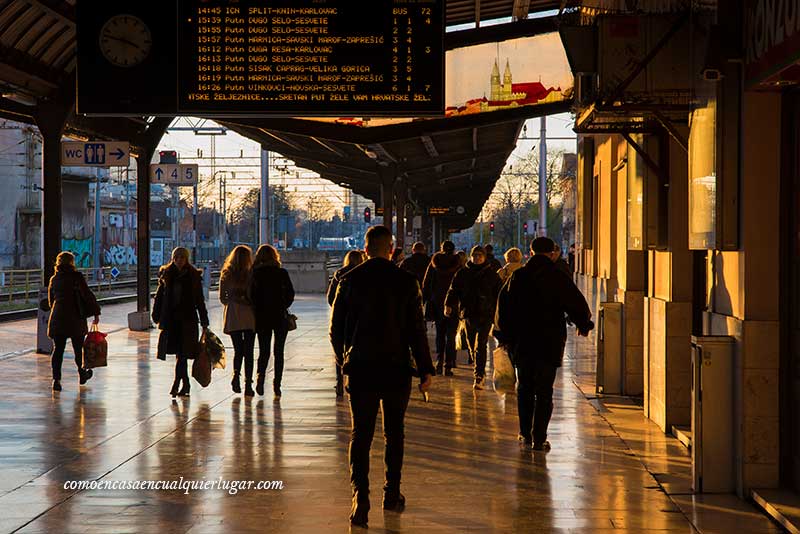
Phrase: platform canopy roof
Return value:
(446, 162)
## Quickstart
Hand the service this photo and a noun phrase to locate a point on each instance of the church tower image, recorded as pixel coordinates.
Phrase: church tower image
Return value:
(507, 85)
(496, 88)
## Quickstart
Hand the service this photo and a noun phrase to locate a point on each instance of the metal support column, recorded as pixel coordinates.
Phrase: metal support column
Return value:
(401, 197)
(388, 176)
(143, 230)
(264, 231)
(543, 178)
(51, 220)
(97, 261)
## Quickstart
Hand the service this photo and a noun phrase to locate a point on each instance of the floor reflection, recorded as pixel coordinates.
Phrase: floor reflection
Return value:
(464, 469)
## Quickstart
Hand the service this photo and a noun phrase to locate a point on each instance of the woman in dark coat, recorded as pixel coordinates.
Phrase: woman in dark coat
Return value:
(272, 293)
(352, 259)
(71, 302)
(178, 301)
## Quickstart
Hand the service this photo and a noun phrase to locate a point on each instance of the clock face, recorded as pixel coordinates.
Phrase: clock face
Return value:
(125, 40)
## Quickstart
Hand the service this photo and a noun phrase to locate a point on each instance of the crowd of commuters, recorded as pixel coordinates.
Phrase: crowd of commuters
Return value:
(378, 333)
(380, 303)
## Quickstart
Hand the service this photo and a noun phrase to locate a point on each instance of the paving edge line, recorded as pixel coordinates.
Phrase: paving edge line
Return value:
(774, 513)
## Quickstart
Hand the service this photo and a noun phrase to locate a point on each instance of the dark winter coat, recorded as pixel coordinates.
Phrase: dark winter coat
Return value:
(272, 293)
(494, 262)
(377, 325)
(337, 277)
(563, 266)
(66, 287)
(474, 292)
(417, 264)
(530, 312)
(178, 302)
(438, 277)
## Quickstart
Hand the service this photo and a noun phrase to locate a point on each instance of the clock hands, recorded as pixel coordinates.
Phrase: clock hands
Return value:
(123, 41)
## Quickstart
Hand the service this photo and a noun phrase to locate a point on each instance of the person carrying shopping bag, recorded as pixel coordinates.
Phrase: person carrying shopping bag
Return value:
(238, 319)
(71, 302)
(178, 303)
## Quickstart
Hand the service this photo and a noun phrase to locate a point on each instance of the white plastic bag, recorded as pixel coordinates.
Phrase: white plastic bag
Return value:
(505, 379)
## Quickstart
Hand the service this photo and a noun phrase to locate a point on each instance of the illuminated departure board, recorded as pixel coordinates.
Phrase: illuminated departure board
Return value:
(311, 57)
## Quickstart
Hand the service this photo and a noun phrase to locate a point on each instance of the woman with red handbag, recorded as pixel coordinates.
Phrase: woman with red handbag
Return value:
(71, 302)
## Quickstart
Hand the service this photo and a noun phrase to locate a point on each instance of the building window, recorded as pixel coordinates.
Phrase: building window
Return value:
(703, 174)
(636, 176)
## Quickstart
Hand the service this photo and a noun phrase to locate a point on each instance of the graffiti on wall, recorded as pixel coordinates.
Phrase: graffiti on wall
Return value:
(81, 248)
(120, 255)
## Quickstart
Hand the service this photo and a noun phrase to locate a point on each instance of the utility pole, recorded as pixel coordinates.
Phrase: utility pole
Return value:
(195, 249)
(97, 228)
(543, 177)
(265, 236)
(127, 223)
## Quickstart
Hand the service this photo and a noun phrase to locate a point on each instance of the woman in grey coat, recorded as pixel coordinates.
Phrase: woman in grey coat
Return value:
(238, 320)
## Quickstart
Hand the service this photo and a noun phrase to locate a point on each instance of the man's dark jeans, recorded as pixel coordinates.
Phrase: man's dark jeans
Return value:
(478, 338)
(364, 403)
(446, 340)
(535, 398)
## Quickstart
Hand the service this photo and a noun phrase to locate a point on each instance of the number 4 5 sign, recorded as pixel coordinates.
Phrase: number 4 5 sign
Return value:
(172, 174)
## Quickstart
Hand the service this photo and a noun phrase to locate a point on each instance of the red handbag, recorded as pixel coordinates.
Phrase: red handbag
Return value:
(95, 349)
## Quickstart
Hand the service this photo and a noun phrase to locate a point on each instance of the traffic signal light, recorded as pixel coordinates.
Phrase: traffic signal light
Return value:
(491, 227)
(367, 215)
(525, 228)
(168, 156)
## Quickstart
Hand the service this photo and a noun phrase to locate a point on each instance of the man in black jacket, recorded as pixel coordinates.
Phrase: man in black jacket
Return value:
(530, 323)
(418, 262)
(438, 277)
(474, 294)
(378, 334)
(490, 259)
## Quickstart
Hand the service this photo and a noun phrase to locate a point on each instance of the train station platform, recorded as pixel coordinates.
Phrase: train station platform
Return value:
(610, 470)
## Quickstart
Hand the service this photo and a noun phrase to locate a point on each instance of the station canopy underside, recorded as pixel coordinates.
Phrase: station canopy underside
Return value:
(444, 162)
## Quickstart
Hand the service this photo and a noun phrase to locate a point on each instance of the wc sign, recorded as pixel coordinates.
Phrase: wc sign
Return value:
(95, 154)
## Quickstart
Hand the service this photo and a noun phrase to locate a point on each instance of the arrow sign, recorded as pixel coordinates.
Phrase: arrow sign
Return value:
(172, 174)
(95, 154)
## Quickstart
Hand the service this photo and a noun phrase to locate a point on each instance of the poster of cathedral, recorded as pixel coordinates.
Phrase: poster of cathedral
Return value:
(519, 72)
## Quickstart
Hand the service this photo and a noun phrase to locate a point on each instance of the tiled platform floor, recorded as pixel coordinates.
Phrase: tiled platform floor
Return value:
(464, 471)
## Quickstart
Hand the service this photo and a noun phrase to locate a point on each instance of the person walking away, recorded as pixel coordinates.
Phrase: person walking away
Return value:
(238, 319)
(530, 324)
(513, 257)
(571, 258)
(272, 293)
(71, 302)
(352, 259)
(377, 327)
(178, 303)
(490, 259)
(417, 263)
(559, 261)
(474, 294)
(398, 256)
(436, 282)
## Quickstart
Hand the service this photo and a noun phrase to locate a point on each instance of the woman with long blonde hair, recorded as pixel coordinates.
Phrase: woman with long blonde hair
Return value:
(272, 293)
(238, 321)
(178, 302)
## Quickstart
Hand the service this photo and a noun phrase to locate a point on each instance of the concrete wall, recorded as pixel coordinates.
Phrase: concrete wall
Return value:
(744, 297)
(307, 270)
